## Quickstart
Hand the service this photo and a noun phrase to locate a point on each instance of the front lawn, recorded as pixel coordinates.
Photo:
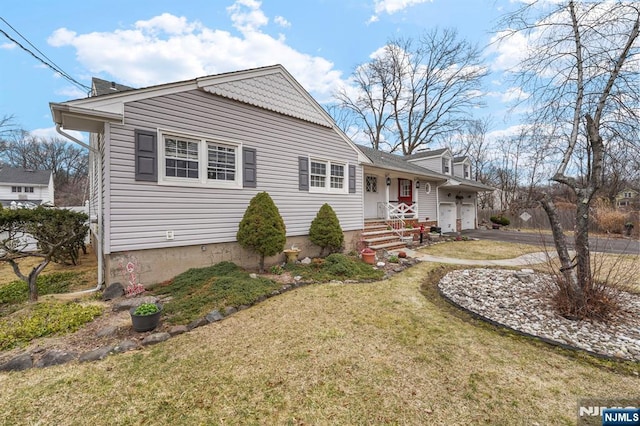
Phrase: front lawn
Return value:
(387, 352)
(479, 250)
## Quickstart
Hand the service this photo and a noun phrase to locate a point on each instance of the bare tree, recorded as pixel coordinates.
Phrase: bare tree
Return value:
(582, 73)
(415, 92)
(68, 162)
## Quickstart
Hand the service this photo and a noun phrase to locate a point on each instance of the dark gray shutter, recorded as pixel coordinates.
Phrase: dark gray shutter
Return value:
(146, 152)
(352, 179)
(303, 173)
(249, 168)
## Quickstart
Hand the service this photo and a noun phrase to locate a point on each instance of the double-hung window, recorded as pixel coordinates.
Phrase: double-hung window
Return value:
(28, 189)
(199, 161)
(16, 189)
(327, 176)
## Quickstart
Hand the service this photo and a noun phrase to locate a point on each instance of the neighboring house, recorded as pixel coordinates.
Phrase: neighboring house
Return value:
(422, 186)
(25, 187)
(628, 198)
(174, 166)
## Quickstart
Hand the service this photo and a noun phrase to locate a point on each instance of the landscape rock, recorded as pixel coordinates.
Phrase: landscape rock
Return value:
(96, 354)
(524, 305)
(107, 331)
(178, 329)
(18, 363)
(229, 310)
(253, 275)
(197, 323)
(55, 357)
(154, 338)
(306, 261)
(114, 291)
(297, 278)
(125, 346)
(126, 304)
(214, 316)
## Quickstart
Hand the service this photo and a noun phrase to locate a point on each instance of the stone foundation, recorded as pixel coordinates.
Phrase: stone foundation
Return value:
(152, 266)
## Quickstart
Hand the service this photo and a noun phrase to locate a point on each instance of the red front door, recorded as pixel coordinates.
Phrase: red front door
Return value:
(405, 194)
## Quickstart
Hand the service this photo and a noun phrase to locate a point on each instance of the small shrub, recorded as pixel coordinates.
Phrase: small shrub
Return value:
(44, 319)
(262, 229)
(336, 267)
(277, 270)
(325, 230)
(146, 309)
(393, 259)
(500, 220)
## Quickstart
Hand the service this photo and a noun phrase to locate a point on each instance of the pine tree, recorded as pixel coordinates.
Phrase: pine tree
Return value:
(262, 229)
(325, 230)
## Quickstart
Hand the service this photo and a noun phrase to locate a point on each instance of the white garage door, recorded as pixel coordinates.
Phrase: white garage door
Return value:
(447, 221)
(467, 214)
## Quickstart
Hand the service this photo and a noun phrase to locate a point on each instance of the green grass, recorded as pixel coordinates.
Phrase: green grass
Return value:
(335, 267)
(44, 319)
(16, 292)
(198, 291)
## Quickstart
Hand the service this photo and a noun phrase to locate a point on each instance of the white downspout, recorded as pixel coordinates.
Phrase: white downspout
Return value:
(99, 248)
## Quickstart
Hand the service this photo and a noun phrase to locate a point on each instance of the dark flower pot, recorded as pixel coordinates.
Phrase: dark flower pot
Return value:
(143, 323)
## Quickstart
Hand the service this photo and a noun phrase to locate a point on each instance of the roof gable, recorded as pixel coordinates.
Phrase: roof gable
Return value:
(271, 88)
(101, 87)
(24, 176)
(386, 160)
(429, 154)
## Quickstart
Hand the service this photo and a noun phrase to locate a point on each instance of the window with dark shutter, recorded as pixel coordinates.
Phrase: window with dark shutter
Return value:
(352, 179)
(146, 152)
(249, 168)
(303, 173)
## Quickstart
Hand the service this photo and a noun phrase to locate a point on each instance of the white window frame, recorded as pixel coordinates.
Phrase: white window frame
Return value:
(16, 189)
(327, 177)
(466, 171)
(28, 189)
(203, 142)
(448, 165)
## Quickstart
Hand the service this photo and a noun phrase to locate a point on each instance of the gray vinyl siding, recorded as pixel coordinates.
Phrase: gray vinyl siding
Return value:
(142, 212)
(427, 205)
(434, 164)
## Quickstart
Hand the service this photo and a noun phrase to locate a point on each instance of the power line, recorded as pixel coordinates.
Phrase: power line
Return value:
(49, 64)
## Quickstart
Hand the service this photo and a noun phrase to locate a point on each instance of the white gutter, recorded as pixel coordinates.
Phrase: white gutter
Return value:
(99, 249)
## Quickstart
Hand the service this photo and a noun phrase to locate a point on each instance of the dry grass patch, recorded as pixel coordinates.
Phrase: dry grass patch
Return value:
(87, 266)
(377, 353)
(479, 250)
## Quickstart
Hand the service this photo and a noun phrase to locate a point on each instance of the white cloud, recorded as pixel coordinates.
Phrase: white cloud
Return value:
(168, 48)
(71, 92)
(509, 51)
(50, 132)
(392, 6)
(247, 16)
(282, 21)
(513, 94)
(8, 46)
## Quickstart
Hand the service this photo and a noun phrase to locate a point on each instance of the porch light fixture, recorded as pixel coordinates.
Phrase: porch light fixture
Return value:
(388, 181)
(417, 184)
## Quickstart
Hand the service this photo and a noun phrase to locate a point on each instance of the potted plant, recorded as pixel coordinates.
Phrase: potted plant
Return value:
(368, 256)
(146, 316)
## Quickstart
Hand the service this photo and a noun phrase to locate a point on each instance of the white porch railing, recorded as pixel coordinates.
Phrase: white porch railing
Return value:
(394, 214)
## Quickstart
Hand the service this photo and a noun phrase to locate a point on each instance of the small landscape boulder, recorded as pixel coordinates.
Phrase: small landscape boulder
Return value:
(114, 291)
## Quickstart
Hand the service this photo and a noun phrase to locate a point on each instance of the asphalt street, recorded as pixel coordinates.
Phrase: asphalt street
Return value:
(615, 245)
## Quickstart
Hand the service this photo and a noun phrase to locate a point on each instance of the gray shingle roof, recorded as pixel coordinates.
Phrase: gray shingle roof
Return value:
(104, 87)
(24, 176)
(427, 153)
(459, 159)
(395, 162)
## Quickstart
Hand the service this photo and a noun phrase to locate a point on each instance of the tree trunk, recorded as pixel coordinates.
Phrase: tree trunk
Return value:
(583, 256)
(32, 280)
(567, 268)
(261, 264)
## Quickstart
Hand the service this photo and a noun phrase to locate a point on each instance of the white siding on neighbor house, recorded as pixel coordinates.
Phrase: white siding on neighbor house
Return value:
(40, 192)
(140, 212)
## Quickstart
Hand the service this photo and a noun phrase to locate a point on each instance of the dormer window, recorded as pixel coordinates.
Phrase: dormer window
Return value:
(467, 171)
(446, 166)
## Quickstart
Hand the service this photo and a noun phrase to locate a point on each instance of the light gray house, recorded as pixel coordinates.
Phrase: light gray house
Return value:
(426, 186)
(25, 187)
(174, 166)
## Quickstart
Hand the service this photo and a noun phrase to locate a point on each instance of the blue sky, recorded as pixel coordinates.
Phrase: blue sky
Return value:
(141, 43)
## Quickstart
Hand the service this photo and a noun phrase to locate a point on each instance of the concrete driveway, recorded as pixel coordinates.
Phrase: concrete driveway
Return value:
(597, 244)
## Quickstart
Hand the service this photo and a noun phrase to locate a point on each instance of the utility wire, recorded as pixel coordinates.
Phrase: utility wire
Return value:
(49, 64)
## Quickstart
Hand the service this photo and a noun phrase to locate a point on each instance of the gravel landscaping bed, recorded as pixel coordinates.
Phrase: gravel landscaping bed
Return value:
(520, 300)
